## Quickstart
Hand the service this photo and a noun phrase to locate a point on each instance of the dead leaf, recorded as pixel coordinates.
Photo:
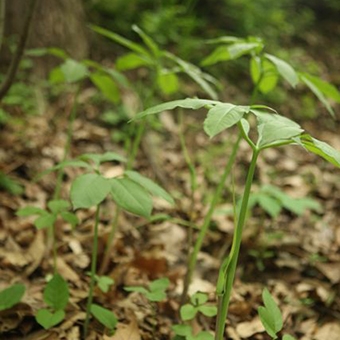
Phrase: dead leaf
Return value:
(125, 332)
(329, 331)
(248, 328)
(330, 270)
(36, 252)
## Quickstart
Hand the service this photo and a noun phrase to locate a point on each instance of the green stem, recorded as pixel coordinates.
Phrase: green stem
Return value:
(207, 219)
(93, 271)
(224, 299)
(135, 143)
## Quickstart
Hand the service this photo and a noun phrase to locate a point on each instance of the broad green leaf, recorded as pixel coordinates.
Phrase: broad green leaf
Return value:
(183, 330)
(73, 70)
(224, 40)
(104, 316)
(156, 296)
(199, 298)
(45, 221)
(137, 289)
(106, 86)
(168, 82)
(274, 129)
(147, 41)
(223, 116)
(149, 185)
(56, 206)
(288, 337)
(188, 312)
(255, 69)
(29, 211)
(56, 293)
(237, 50)
(270, 315)
(203, 336)
(320, 148)
(318, 91)
(188, 103)
(131, 196)
(329, 90)
(11, 296)
(285, 70)
(120, 40)
(269, 204)
(219, 54)
(48, 319)
(89, 190)
(56, 76)
(269, 77)
(70, 218)
(97, 159)
(104, 283)
(131, 61)
(159, 284)
(209, 311)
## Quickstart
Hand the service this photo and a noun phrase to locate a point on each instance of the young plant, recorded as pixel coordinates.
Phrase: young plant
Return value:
(271, 316)
(273, 130)
(12, 295)
(56, 296)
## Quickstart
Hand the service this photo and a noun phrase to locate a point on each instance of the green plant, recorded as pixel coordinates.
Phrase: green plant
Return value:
(273, 130)
(12, 295)
(271, 316)
(56, 296)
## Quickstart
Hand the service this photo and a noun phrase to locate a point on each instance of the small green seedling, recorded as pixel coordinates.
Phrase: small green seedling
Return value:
(56, 296)
(104, 283)
(104, 316)
(198, 304)
(155, 291)
(271, 316)
(12, 295)
(184, 332)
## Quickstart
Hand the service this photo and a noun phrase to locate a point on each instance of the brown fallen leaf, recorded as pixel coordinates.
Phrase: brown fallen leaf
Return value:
(248, 328)
(36, 252)
(330, 270)
(329, 331)
(125, 332)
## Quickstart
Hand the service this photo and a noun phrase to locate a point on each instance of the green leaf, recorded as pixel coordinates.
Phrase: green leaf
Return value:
(208, 311)
(203, 336)
(156, 296)
(29, 211)
(167, 82)
(288, 337)
(318, 91)
(104, 283)
(73, 71)
(56, 206)
(106, 86)
(97, 159)
(104, 316)
(131, 196)
(89, 190)
(70, 218)
(183, 330)
(320, 148)
(274, 129)
(269, 204)
(56, 293)
(147, 41)
(11, 296)
(188, 103)
(149, 185)
(270, 315)
(159, 284)
(199, 298)
(137, 289)
(120, 40)
(45, 221)
(268, 77)
(131, 61)
(285, 70)
(48, 319)
(222, 116)
(188, 312)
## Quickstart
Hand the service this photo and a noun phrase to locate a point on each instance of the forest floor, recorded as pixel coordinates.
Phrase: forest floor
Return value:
(296, 256)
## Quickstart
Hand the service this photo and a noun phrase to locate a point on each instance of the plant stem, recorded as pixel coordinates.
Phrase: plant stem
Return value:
(93, 271)
(224, 299)
(207, 219)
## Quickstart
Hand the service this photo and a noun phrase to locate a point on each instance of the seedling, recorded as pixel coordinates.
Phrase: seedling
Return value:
(12, 295)
(184, 332)
(56, 296)
(104, 283)
(271, 316)
(273, 130)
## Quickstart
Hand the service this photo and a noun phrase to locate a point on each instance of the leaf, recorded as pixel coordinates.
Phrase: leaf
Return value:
(155, 296)
(318, 91)
(147, 41)
(131, 196)
(29, 211)
(188, 312)
(104, 283)
(131, 61)
(106, 86)
(149, 185)
(203, 336)
(11, 296)
(274, 129)
(208, 311)
(56, 206)
(97, 159)
(285, 70)
(48, 319)
(70, 218)
(167, 82)
(268, 76)
(188, 103)
(45, 221)
(223, 116)
(56, 293)
(120, 40)
(199, 298)
(73, 71)
(270, 315)
(137, 289)
(104, 316)
(269, 204)
(320, 148)
(159, 284)
(288, 337)
(184, 330)
(89, 190)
